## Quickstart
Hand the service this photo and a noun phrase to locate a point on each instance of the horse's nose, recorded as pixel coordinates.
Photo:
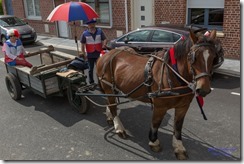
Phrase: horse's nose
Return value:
(202, 92)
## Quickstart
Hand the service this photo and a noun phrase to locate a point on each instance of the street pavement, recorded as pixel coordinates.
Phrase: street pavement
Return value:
(229, 67)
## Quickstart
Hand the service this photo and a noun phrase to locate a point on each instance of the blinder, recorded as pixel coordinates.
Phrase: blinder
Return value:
(192, 58)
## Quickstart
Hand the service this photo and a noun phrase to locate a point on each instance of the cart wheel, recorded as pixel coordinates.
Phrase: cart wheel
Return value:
(13, 86)
(80, 103)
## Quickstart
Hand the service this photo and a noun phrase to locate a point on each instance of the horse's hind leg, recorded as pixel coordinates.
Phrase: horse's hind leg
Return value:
(179, 149)
(158, 115)
(112, 117)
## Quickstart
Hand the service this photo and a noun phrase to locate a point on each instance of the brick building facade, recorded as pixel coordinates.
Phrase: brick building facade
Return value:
(173, 11)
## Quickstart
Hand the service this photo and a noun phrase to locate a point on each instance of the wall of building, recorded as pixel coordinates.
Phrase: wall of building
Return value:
(166, 11)
(231, 29)
(173, 11)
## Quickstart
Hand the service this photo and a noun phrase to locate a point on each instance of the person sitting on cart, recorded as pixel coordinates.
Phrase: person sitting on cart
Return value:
(14, 51)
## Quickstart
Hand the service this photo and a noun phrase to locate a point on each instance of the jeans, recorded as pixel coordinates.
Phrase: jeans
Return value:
(91, 63)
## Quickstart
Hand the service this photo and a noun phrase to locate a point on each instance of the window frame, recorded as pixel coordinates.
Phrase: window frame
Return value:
(104, 25)
(206, 19)
(206, 5)
(32, 17)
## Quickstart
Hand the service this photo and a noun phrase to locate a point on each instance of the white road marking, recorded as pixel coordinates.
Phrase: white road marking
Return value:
(235, 93)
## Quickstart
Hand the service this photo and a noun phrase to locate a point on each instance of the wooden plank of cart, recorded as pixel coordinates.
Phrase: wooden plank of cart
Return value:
(47, 79)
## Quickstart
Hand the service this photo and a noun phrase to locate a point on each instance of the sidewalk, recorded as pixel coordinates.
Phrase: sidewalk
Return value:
(229, 67)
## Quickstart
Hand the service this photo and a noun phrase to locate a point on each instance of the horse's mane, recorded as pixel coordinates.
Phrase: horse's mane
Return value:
(182, 48)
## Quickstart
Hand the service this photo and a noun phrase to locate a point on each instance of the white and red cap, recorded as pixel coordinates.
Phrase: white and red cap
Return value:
(13, 32)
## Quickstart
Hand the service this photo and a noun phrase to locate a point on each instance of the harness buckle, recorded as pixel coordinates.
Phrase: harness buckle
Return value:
(192, 86)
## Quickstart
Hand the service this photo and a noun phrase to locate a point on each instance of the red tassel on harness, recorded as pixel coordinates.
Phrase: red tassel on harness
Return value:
(200, 100)
(172, 55)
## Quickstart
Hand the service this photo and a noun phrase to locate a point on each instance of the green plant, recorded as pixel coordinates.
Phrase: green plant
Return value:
(1, 8)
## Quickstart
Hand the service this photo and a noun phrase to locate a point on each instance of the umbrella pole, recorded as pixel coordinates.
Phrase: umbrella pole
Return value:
(77, 46)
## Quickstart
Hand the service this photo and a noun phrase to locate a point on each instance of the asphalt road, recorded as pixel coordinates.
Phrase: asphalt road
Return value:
(35, 128)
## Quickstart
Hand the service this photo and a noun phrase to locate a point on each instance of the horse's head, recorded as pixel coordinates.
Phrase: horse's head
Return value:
(200, 60)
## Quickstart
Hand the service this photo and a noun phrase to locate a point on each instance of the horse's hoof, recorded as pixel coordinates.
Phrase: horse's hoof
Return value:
(122, 134)
(181, 156)
(110, 122)
(156, 148)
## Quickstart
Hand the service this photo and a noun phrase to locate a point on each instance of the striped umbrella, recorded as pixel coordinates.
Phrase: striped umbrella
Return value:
(72, 11)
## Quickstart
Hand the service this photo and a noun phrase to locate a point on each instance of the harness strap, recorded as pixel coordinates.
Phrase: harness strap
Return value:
(169, 93)
(201, 75)
(113, 86)
(148, 71)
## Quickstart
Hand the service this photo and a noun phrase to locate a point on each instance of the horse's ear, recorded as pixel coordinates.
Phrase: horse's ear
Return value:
(193, 37)
(213, 34)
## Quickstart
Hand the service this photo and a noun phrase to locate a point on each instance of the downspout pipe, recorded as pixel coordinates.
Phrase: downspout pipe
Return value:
(126, 17)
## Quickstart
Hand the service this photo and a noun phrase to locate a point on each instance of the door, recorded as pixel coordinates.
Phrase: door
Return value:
(63, 29)
(142, 13)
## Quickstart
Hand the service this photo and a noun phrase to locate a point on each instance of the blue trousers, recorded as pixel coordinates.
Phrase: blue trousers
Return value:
(91, 63)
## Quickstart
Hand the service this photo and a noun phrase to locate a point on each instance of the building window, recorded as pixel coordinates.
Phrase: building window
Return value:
(210, 18)
(32, 9)
(207, 13)
(103, 9)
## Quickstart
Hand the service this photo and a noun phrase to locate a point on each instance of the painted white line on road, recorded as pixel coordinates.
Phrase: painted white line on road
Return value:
(235, 93)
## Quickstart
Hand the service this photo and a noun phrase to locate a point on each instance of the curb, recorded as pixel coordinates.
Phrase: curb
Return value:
(227, 72)
(57, 45)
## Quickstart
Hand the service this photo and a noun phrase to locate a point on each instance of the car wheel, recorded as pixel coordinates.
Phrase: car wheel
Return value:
(3, 39)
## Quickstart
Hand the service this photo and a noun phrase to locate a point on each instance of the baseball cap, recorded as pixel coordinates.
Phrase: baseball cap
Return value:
(91, 21)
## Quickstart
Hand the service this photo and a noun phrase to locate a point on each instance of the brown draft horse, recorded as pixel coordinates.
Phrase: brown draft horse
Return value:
(153, 80)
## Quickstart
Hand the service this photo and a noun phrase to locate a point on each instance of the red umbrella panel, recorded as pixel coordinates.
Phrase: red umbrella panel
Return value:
(72, 11)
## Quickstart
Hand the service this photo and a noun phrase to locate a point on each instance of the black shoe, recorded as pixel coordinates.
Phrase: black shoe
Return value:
(92, 86)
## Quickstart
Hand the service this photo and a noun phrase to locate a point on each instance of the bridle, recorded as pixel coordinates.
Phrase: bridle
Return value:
(192, 57)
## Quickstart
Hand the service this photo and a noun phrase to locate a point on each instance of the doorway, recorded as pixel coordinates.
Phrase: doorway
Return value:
(142, 13)
(63, 27)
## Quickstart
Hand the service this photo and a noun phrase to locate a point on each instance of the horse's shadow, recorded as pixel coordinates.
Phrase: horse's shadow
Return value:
(59, 108)
(137, 122)
(136, 118)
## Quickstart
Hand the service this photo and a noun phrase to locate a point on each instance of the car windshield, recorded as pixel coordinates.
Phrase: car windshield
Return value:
(11, 21)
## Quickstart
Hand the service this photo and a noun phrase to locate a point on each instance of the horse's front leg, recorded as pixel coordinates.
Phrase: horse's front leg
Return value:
(113, 118)
(179, 149)
(158, 115)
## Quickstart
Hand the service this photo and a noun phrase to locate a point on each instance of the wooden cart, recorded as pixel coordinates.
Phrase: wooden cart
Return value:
(47, 79)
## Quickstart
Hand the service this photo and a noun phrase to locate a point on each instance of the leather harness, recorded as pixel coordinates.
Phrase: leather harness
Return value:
(173, 91)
